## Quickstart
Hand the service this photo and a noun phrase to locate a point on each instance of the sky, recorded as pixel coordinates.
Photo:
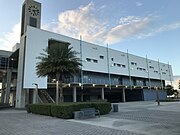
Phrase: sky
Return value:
(143, 27)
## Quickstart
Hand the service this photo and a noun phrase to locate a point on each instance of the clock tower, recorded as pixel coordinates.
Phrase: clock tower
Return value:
(31, 15)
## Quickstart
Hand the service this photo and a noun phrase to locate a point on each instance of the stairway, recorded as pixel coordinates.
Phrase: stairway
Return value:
(44, 97)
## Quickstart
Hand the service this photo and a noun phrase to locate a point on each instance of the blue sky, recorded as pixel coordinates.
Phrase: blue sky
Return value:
(144, 27)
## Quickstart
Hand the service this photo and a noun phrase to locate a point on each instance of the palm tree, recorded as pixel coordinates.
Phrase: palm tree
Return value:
(59, 60)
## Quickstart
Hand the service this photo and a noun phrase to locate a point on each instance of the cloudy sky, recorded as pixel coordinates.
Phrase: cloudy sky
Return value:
(144, 27)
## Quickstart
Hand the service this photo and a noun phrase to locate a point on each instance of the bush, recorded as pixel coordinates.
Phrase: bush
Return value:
(4, 105)
(103, 107)
(65, 110)
(43, 109)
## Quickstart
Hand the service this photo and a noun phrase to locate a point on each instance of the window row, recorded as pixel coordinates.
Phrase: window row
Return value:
(91, 60)
(119, 65)
(141, 69)
(134, 63)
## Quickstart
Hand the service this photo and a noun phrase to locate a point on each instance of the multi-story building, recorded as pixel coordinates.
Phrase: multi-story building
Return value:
(106, 73)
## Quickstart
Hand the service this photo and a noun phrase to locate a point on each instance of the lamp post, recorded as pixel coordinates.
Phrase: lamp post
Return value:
(157, 95)
(36, 93)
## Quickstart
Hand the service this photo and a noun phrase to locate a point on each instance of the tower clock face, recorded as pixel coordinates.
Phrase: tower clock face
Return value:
(33, 10)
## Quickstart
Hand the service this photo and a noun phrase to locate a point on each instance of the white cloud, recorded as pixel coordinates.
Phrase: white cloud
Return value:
(129, 26)
(8, 40)
(81, 22)
(84, 22)
(163, 28)
(139, 4)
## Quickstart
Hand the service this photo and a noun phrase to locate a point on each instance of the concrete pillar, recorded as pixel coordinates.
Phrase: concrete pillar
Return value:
(13, 99)
(8, 86)
(123, 95)
(102, 93)
(3, 90)
(2, 95)
(34, 96)
(20, 99)
(74, 94)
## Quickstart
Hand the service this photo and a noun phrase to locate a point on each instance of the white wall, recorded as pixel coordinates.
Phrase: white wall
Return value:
(37, 40)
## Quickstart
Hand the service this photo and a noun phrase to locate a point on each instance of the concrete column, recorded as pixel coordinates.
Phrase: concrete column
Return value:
(20, 92)
(8, 86)
(74, 94)
(13, 99)
(123, 95)
(34, 96)
(20, 96)
(102, 93)
(3, 91)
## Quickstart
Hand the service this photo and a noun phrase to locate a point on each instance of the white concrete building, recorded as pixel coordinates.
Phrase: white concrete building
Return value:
(106, 73)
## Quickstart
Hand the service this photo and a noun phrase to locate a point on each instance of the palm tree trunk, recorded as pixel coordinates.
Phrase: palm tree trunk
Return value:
(57, 92)
(57, 88)
(61, 92)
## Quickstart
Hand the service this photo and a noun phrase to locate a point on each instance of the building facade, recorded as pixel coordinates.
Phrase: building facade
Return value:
(106, 73)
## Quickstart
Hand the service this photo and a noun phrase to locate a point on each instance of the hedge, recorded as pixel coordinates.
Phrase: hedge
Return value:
(42, 109)
(65, 110)
(4, 105)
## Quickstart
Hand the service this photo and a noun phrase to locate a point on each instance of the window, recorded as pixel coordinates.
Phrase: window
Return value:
(119, 65)
(124, 66)
(101, 57)
(120, 80)
(134, 82)
(114, 64)
(163, 73)
(95, 61)
(88, 59)
(112, 59)
(33, 22)
(133, 63)
(155, 71)
(151, 67)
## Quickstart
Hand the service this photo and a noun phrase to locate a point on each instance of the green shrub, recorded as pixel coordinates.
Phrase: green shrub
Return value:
(43, 109)
(65, 110)
(4, 105)
(103, 107)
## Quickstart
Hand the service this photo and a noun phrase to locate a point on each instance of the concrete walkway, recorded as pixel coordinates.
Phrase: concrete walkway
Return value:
(133, 118)
(142, 117)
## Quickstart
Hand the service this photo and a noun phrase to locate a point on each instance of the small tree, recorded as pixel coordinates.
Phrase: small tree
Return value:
(58, 61)
(170, 90)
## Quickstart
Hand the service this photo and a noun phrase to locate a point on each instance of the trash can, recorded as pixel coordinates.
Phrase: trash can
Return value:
(115, 107)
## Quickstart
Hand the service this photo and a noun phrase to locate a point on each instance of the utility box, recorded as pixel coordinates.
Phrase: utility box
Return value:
(115, 107)
(78, 115)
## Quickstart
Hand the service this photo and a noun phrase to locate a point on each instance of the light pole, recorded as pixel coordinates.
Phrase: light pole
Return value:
(157, 95)
(36, 93)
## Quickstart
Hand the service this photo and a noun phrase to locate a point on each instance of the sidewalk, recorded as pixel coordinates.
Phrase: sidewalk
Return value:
(133, 118)
(142, 117)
